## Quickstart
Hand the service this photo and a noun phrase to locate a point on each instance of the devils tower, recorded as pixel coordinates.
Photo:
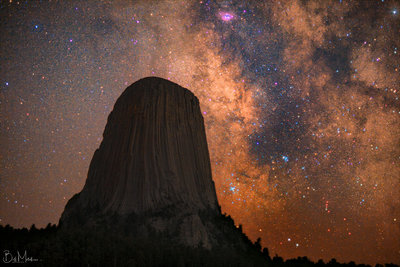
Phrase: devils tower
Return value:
(153, 160)
(154, 154)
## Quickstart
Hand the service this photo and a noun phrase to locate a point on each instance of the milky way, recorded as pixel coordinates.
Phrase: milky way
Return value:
(300, 101)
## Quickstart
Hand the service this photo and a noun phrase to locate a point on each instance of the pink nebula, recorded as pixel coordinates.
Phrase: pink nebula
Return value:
(226, 16)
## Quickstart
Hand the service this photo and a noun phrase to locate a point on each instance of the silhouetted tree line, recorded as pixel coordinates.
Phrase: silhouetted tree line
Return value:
(99, 246)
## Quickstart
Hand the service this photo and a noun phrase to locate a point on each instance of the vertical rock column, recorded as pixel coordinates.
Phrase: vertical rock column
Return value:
(153, 155)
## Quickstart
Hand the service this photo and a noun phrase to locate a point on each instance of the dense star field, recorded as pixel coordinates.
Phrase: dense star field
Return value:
(300, 101)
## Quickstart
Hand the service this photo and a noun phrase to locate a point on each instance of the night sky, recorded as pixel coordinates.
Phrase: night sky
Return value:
(300, 101)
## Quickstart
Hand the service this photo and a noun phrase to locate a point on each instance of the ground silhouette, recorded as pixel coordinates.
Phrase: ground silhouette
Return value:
(52, 246)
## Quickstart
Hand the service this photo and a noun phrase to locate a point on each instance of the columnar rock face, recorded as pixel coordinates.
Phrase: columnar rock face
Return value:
(153, 156)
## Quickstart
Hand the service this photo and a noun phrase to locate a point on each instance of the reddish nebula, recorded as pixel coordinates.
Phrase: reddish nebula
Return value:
(226, 16)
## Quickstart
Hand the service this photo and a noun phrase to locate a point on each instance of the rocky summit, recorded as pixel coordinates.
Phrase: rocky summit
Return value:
(153, 160)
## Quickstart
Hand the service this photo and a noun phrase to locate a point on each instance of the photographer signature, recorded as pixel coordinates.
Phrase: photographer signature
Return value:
(9, 258)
